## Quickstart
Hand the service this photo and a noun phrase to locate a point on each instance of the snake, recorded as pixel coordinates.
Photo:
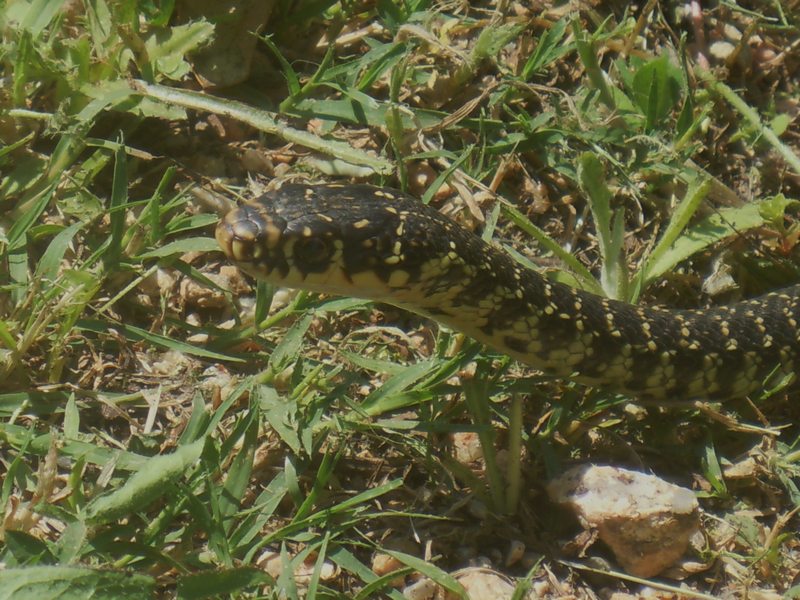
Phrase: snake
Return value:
(380, 244)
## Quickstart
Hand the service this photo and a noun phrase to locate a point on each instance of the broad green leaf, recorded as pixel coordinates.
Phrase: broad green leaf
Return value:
(347, 561)
(547, 50)
(251, 525)
(137, 333)
(384, 398)
(657, 89)
(56, 582)
(16, 234)
(19, 437)
(493, 38)
(443, 578)
(155, 479)
(167, 48)
(718, 226)
(262, 120)
(773, 209)
(780, 123)
(609, 225)
(194, 244)
(280, 413)
(49, 264)
(221, 583)
(288, 349)
(695, 194)
(584, 277)
(39, 14)
(240, 469)
(292, 80)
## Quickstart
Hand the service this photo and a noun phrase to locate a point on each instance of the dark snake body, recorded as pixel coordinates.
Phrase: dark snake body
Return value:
(377, 243)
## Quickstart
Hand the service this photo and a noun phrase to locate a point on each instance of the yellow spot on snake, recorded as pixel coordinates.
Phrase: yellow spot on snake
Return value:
(398, 278)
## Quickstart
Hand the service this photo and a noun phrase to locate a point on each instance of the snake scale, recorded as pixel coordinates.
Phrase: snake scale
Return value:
(377, 243)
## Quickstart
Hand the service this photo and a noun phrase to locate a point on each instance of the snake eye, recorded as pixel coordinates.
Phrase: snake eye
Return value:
(312, 254)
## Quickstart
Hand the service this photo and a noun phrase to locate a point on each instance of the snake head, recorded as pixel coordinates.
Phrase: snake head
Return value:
(246, 234)
(346, 240)
(285, 250)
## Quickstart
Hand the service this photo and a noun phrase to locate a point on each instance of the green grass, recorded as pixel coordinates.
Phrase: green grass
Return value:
(161, 434)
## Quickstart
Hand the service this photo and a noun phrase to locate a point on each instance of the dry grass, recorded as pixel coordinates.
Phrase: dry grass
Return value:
(169, 427)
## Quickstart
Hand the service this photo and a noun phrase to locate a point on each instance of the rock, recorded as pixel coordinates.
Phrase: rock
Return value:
(226, 60)
(467, 447)
(646, 521)
(480, 583)
(483, 584)
(383, 564)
